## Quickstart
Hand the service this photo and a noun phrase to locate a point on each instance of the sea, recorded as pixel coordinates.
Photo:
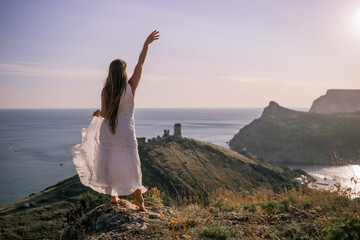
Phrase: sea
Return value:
(35, 144)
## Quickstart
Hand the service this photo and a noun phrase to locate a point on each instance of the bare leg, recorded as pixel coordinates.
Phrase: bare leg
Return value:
(139, 200)
(114, 199)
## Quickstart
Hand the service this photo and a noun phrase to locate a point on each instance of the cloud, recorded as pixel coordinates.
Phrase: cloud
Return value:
(170, 78)
(31, 63)
(36, 69)
(157, 77)
(259, 80)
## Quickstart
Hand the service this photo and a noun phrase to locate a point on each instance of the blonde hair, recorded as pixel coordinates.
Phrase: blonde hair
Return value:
(114, 86)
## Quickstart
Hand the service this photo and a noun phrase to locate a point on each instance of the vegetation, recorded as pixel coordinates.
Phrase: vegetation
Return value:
(304, 212)
(221, 233)
(291, 214)
(154, 196)
(47, 221)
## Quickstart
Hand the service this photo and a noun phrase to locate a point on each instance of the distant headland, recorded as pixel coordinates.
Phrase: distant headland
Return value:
(337, 101)
(328, 134)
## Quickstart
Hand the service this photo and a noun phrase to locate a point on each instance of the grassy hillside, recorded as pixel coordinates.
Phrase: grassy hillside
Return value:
(296, 214)
(191, 167)
(179, 168)
(291, 214)
(55, 207)
(303, 138)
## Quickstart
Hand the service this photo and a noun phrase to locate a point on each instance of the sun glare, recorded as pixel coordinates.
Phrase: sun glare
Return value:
(357, 19)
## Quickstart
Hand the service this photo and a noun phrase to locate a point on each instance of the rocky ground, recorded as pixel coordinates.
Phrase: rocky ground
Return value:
(119, 221)
(292, 215)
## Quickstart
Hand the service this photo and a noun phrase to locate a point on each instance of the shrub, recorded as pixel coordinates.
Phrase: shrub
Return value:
(269, 207)
(291, 232)
(345, 227)
(343, 201)
(225, 200)
(251, 205)
(223, 205)
(285, 205)
(154, 196)
(306, 202)
(221, 233)
(191, 200)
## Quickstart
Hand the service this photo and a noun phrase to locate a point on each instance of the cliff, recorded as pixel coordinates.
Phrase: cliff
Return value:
(179, 167)
(337, 101)
(301, 137)
(274, 109)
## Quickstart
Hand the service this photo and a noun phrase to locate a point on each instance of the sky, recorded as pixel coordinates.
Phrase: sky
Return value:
(211, 54)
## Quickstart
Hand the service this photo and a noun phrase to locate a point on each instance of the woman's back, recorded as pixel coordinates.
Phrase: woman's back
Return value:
(125, 129)
(127, 103)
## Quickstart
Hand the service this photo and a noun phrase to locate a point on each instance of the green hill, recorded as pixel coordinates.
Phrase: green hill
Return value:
(191, 167)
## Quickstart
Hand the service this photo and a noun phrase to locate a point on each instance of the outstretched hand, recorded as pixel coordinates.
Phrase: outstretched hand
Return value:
(96, 113)
(153, 36)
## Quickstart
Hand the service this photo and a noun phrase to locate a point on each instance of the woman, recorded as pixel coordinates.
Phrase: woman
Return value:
(107, 160)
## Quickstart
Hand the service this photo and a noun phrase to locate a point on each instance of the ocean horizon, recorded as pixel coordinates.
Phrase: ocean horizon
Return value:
(35, 144)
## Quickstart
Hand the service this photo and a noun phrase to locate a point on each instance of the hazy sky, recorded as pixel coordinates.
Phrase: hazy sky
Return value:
(55, 54)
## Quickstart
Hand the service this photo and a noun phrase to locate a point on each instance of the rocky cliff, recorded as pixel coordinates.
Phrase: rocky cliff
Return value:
(274, 109)
(301, 137)
(337, 101)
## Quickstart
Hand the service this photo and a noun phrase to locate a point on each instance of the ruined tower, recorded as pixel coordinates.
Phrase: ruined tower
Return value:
(177, 130)
(166, 132)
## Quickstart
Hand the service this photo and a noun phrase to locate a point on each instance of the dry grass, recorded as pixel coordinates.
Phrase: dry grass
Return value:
(290, 214)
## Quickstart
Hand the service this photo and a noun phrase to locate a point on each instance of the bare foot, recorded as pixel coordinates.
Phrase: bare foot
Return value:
(115, 200)
(140, 205)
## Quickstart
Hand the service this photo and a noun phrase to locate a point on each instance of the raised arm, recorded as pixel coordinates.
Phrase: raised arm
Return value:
(135, 78)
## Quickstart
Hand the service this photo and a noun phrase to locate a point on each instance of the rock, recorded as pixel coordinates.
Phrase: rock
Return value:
(337, 101)
(277, 110)
(117, 221)
(10, 235)
(252, 210)
(309, 228)
(153, 216)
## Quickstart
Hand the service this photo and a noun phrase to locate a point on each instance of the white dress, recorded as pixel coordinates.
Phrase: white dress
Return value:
(108, 163)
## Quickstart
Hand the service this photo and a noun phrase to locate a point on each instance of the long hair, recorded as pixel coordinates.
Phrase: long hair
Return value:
(114, 87)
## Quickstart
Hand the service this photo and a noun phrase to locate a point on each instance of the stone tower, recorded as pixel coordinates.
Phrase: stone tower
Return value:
(177, 130)
(166, 132)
